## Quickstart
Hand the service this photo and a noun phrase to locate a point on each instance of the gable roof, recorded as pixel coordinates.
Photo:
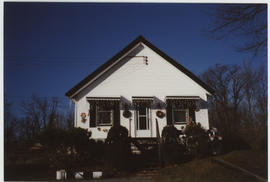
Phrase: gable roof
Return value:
(111, 61)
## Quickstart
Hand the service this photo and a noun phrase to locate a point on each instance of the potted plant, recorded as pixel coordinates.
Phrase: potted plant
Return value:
(83, 116)
(160, 114)
(126, 113)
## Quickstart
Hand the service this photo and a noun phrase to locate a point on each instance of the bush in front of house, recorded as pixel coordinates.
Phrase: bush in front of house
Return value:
(172, 147)
(53, 137)
(61, 154)
(71, 149)
(170, 134)
(118, 148)
(196, 140)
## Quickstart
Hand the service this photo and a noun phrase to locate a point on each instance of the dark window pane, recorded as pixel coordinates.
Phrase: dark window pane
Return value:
(142, 123)
(104, 117)
(179, 116)
(142, 110)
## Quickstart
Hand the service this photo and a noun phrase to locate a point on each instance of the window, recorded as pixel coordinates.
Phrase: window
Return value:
(180, 116)
(104, 117)
(142, 119)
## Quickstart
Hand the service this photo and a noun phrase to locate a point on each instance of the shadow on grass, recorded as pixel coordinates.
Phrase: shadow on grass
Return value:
(29, 172)
(204, 170)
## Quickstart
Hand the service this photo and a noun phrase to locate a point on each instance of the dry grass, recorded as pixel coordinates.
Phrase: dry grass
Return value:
(253, 161)
(203, 170)
(206, 171)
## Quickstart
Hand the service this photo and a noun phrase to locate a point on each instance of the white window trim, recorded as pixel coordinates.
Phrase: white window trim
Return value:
(187, 116)
(105, 124)
(147, 119)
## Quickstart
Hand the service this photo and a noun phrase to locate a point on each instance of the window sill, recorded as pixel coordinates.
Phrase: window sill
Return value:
(179, 123)
(103, 125)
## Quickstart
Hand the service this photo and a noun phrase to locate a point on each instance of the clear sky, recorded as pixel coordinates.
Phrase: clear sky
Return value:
(50, 47)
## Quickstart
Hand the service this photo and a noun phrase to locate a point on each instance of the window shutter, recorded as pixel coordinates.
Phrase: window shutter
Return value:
(116, 114)
(93, 115)
(169, 115)
(192, 114)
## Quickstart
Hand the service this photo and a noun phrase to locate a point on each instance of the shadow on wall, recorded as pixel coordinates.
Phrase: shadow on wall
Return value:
(158, 104)
(127, 104)
(203, 104)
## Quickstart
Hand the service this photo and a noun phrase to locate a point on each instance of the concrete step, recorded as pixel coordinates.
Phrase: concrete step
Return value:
(135, 149)
(151, 172)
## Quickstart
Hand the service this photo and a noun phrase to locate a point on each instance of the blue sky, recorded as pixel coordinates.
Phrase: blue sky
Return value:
(50, 47)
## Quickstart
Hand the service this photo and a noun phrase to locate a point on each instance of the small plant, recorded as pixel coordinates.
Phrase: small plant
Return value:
(196, 140)
(127, 114)
(117, 134)
(71, 149)
(160, 114)
(172, 148)
(170, 134)
(83, 116)
(118, 147)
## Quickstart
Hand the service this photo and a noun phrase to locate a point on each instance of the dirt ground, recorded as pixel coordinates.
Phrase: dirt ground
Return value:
(42, 173)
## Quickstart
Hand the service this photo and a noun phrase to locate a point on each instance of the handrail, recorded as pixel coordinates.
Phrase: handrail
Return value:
(159, 140)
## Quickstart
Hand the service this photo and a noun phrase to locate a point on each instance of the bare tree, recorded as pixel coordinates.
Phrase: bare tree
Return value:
(228, 82)
(26, 129)
(247, 20)
(219, 78)
(10, 123)
(251, 77)
(239, 105)
(33, 115)
(53, 113)
(261, 96)
(41, 114)
(42, 106)
(69, 119)
(237, 91)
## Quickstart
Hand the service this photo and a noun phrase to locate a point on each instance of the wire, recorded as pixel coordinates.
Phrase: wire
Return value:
(56, 61)
(30, 97)
(53, 57)
(64, 102)
(43, 64)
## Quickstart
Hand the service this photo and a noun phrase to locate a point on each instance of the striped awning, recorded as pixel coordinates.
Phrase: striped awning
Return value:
(182, 97)
(103, 98)
(142, 100)
(106, 102)
(183, 101)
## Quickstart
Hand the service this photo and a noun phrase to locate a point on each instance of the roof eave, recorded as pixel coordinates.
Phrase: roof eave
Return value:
(72, 92)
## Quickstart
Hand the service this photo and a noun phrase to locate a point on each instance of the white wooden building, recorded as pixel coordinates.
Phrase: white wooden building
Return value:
(130, 89)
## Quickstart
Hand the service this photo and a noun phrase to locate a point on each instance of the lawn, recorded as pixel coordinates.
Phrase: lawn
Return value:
(204, 170)
(253, 161)
(29, 172)
(200, 170)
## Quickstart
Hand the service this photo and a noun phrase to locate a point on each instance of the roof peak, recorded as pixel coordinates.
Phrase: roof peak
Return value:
(72, 92)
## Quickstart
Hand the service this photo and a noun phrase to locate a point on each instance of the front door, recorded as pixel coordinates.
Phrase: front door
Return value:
(143, 122)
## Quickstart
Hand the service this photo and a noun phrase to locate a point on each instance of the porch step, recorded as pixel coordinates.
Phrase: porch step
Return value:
(145, 141)
(134, 149)
(144, 144)
(148, 172)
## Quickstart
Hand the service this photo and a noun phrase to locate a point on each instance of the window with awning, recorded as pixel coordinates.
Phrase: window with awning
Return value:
(180, 116)
(180, 108)
(104, 111)
(146, 101)
(142, 105)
